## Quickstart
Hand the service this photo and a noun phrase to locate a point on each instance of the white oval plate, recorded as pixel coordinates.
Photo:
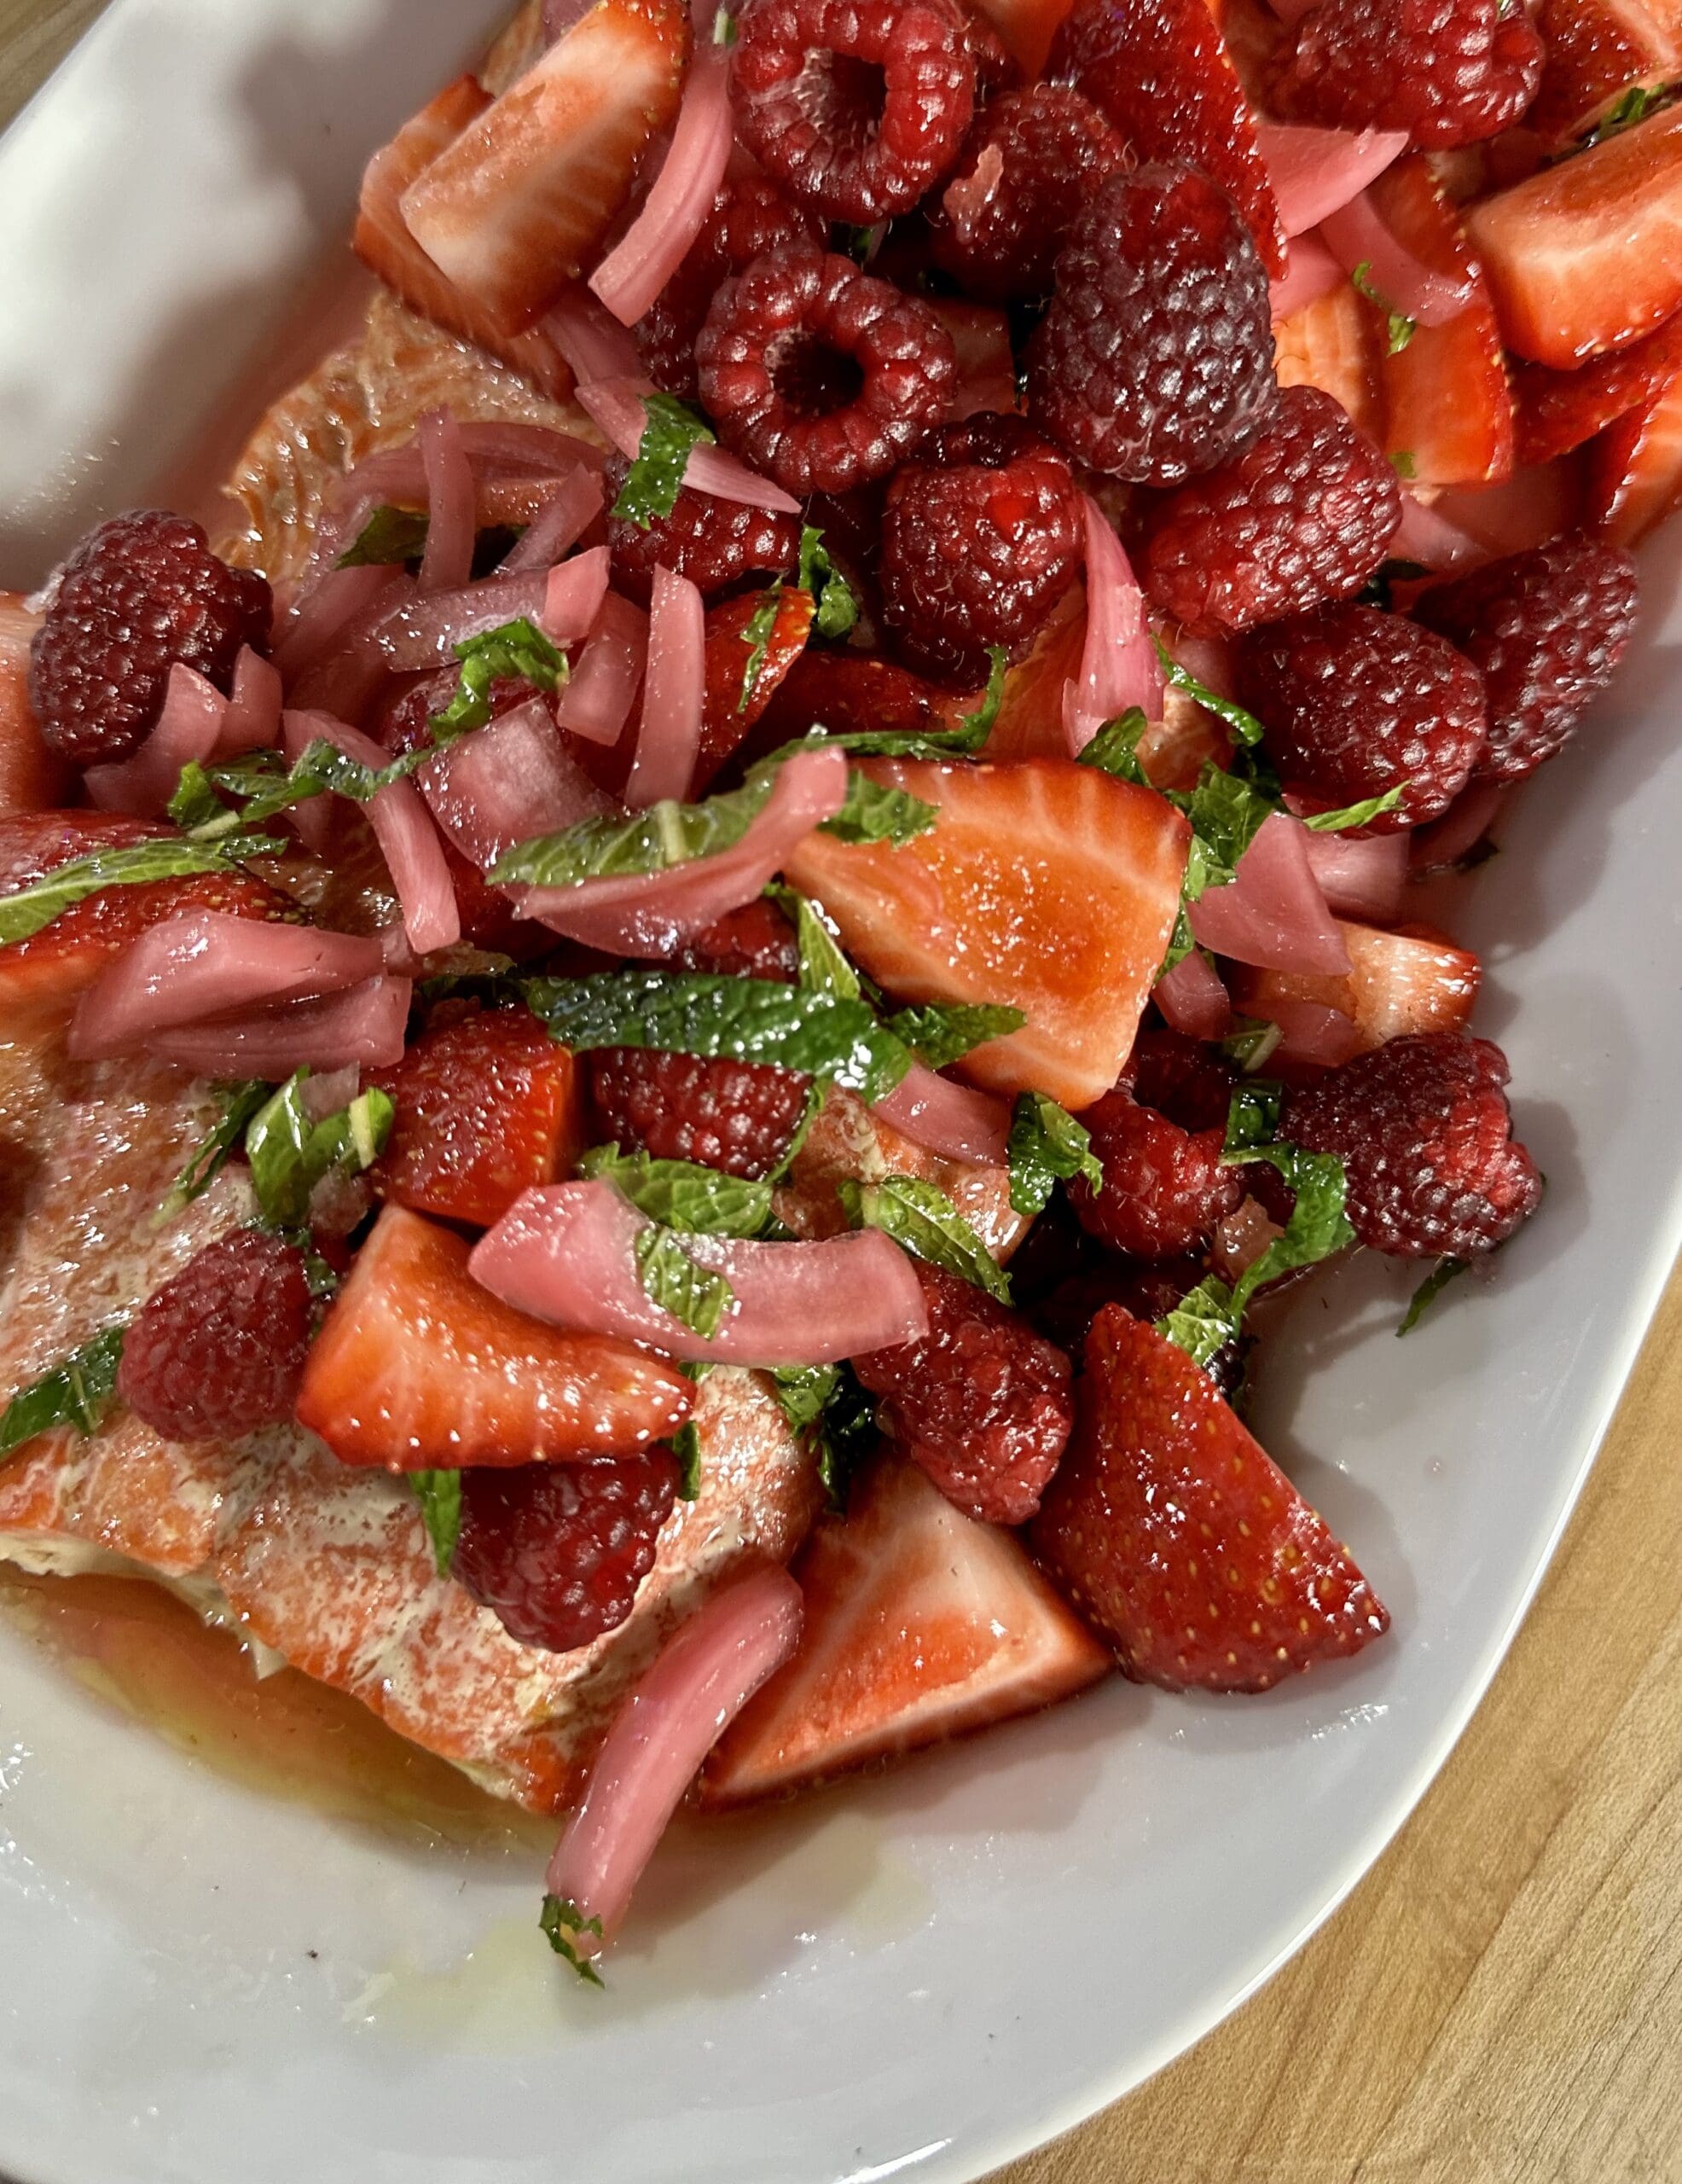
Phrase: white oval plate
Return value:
(918, 1977)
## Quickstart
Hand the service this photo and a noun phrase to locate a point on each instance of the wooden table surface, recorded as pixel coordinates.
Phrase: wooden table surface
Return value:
(1501, 2000)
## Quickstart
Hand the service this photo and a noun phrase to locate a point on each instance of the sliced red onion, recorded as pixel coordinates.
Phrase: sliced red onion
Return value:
(1446, 841)
(572, 596)
(508, 782)
(403, 828)
(705, 1676)
(591, 339)
(364, 1025)
(616, 405)
(323, 616)
(598, 698)
(674, 694)
(253, 719)
(565, 515)
(676, 209)
(566, 1254)
(1316, 172)
(210, 963)
(950, 1119)
(1360, 875)
(447, 561)
(1310, 273)
(1311, 1034)
(1193, 999)
(190, 727)
(1536, 504)
(559, 15)
(1426, 536)
(1356, 235)
(1119, 666)
(1274, 913)
(653, 914)
(423, 632)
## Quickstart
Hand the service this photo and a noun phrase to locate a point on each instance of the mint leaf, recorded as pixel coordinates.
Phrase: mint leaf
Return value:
(827, 1400)
(516, 651)
(615, 847)
(824, 968)
(1319, 1226)
(804, 1390)
(1245, 728)
(689, 1291)
(1115, 748)
(1635, 105)
(1253, 1115)
(861, 243)
(240, 1103)
(1227, 813)
(1354, 815)
(562, 1920)
(757, 636)
(724, 27)
(679, 1194)
(136, 865)
(655, 478)
(1047, 1146)
(742, 1020)
(1251, 1044)
(686, 1446)
(941, 1034)
(974, 729)
(1429, 1290)
(1205, 1321)
(439, 1494)
(76, 1393)
(289, 1152)
(1400, 330)
(834, 609)
(875, 812)
(923, 1221)
(390, 536)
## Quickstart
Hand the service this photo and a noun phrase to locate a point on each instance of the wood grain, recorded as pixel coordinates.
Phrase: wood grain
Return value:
(1501, 2000)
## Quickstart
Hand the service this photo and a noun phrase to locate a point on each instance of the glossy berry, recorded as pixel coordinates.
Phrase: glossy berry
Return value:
(557, 1551)
(1148, 1292)
(1025, 174)
(1547, 629)
(981, 537)
(856, 107)
(1356, 703)
(140, 595)
(1302, 517)
(1424, 1129)
(1158, 1137)
(738, 1116)
(715, 544)
(219, 1350)
(981, 1403)
(755, 942)
(819, 374)
(1155, 360)
(1449, 72)
(750, 216)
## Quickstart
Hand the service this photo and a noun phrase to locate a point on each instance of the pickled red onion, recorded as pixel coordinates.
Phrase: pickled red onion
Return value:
(365, 1024)
(1119, 666)
(650, 250)
(572, 596)
(674, 694)
(1356, 235)
(1311, 1034)
(566, 1253)
(323, 617)
(508, 782)
(403, 828)
(190, 727)
(1311, 272)
(1273, 914)
(705, 1675)
(591, 339)
(253, 720)
(559, 524)
(1446, 841)
(447, 561)
(420, 633)
(952, 1120)
(1425, 534)
(1193, 998)
(616, 405)
(1315, 172)
(1360, 875)
(598, 698)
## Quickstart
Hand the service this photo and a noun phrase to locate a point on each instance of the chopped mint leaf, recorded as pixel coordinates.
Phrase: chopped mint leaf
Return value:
(681, 1194)
(804, 1390)
(757, 636)
(240, 1103)
(563, 1921)
(741, 1019)
(1253, 1118)
(828, 1401)
(135, 864)
(861, 244)
(1205, 1321)
(834, 609)
(974, 729)
(1400, 330)
(1429, 1290)
(1245, 728)
(655, 478)
(289, 1152)
(1047, 1146)
(686, 1446)
(439, 1494)
(390, 536)
(723, 28)
(942, 1033)
(876, 812)
(1251, 1044)
(1635, 105)
(925, 1222)
(513, 651)
(824, 968)
(1354, 815)
(1181, 942)
(1115, 748)
(195, 803)
(678, 1284)
(76, 1393)
(1404, 464)
(1319, 1226)
(1227, 811)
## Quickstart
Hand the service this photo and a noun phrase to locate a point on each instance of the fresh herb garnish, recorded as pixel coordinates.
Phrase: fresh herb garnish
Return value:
(757, 636)
(240, 1103)
(1444, 1272)
(1405, 463)
(1319, 1226)
(1047, 1146)
(824, 968)
(563, 1921)
(1115, 748)
(681, 1194)
(941, 1033)
(439, 1494)
(1635, 105)
(1204, 1321)
(686, 1446)
(962, 740)
(834, 609)
(861, 244)
(679, 1285)
(1399, 328)
(391, 536)
(1246, 729)
(828, 1401)
(76, 1393)
(290, 1153)
(655, 477)
(925, 1222)
(1354, 815)
(1250, 1044)
(724, 27)
(135, 864)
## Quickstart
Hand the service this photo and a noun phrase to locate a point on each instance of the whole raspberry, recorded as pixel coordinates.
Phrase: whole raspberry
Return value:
(738, 1116)
(981, 537)
(1424, 1129)
(749, 216)
(1449, 72)
(820, 375)
(557, 1551)
(981, 1402)
(1032, 160)
(857, 107)
(1156, 358)
(1356, 703)
(1158, 1137)
(1548, 629)
(1302, 517)
(219, 1350)
(755, 942)
(138, 595)
(713, 543)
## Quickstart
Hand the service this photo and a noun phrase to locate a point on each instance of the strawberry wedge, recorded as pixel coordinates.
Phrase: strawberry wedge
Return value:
(1046, 886)
(1398, 984)
(515, 208)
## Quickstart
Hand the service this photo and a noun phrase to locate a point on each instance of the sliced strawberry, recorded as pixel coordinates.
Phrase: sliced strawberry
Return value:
(31, 777)
(1558, 411)
(1583, 256)
(1632, 473)
(487, 1107)
(1046, 886)
(41, 977)
(1398, 982)
(1597, 51)
(920, 1624)
(383, 244)
(727, 719)
(1333, 343)
(847, 691)
(416, 1367)
(516, 206)
(1030, 720)
(1447, 402)
(1181, 1539)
